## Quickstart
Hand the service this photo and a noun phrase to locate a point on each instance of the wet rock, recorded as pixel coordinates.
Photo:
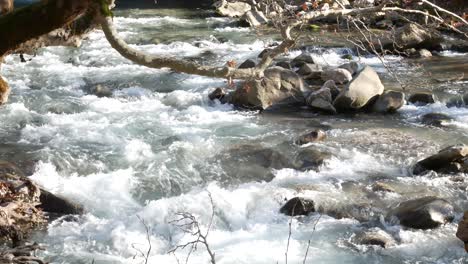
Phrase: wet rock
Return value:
(375, 237)
(247, 64)
(218, 93)
(339, 75)
(302, 59)
(389, 102)
(298, 206)
(310, 159)
(284, 64)
(352, 67)
(101, 91)
(382, 187)
(314, 136)
(424, 213)
(52, 203)
(424, 53)
(421, 98)
(232, 9)
(435, 119)
(462, 232)
(441, 160)
(278, 87)
(321, 100)
(362, 90)
(413, 35)
(312, 71)
(458, 101)
(255, 18)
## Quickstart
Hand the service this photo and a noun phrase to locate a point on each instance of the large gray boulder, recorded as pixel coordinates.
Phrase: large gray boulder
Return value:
(232, 9)
(423, 213)
(362, 90)
(321, 100)
(389, 102)
(279, 86)
(440, 161)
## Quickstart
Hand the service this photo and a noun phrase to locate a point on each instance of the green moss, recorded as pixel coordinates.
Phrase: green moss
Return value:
(105, 8)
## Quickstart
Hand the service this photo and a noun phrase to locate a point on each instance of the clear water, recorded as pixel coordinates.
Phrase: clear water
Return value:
(158, 146)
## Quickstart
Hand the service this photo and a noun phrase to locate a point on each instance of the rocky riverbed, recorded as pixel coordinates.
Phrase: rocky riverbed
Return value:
(131, 143)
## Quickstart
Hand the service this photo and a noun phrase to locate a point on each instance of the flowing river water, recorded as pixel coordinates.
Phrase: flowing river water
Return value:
(158, 146)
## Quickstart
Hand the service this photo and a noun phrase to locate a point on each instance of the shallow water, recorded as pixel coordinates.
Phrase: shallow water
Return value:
(158, 146)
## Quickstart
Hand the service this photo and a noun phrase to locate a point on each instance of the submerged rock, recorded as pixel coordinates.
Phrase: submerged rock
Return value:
(375, 237)
(442, 160)
(339, 75)
(278, 87)
(298, 206)
(362, 90)
(218, 93)
(424, 213)
(314, 136)
(101, 91)
(421, 98)
(462, 232)
(389, 102)
(435, 119)
(310, 159)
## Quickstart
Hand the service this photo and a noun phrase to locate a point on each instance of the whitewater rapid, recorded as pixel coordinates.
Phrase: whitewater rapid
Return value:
(151, 151)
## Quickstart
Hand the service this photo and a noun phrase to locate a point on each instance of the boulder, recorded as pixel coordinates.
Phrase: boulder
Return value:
(424, 53)
(439, 161)
(462, 232)
(416, 36)
(298, 206)
(352, 67)
(232, 9)
(374, 237)
(339, 75)
(435, 119)
(310, 159)
(362, 90)
(330, 84)
(311, 71)
(255, 18)
(389, 102)
(52, 203)
(311, 137)
(284, 64)
(247, 64)
(424, 213)
(302, 59)
(321, 100)
(278, 87)
(421, 98)
(218, 93)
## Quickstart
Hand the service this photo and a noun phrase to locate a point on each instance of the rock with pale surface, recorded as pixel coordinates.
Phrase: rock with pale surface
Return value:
(389, 102)
(339, 75)
(413, 35)
(232, 9)
(255, 18)
(363, 89)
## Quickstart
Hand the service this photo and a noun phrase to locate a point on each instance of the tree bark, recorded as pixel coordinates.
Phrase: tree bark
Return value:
(36, 20)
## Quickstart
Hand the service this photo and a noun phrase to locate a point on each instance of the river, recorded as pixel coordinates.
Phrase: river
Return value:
(159, 146)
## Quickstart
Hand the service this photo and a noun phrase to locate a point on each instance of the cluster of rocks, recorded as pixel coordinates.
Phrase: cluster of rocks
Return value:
(25, 206)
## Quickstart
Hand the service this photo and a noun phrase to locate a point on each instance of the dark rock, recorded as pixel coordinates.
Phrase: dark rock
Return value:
(389, 102)
(218, 93)
(422, 98)
(442, 160)
(361, 91)
(462, 232)
(264, 52)
(335, 91)
(424, 213)
(435, 119)
(298, 206)
(311, 71)
(247, 64)
(310, 159)
(302, 59)
(352, 67)
(55, 204)
(278, 87)
(375, 237)
(416, 36)
(284, 64)
(314, 136)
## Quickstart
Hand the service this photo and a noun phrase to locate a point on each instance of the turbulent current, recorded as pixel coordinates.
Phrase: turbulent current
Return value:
(158, 146)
